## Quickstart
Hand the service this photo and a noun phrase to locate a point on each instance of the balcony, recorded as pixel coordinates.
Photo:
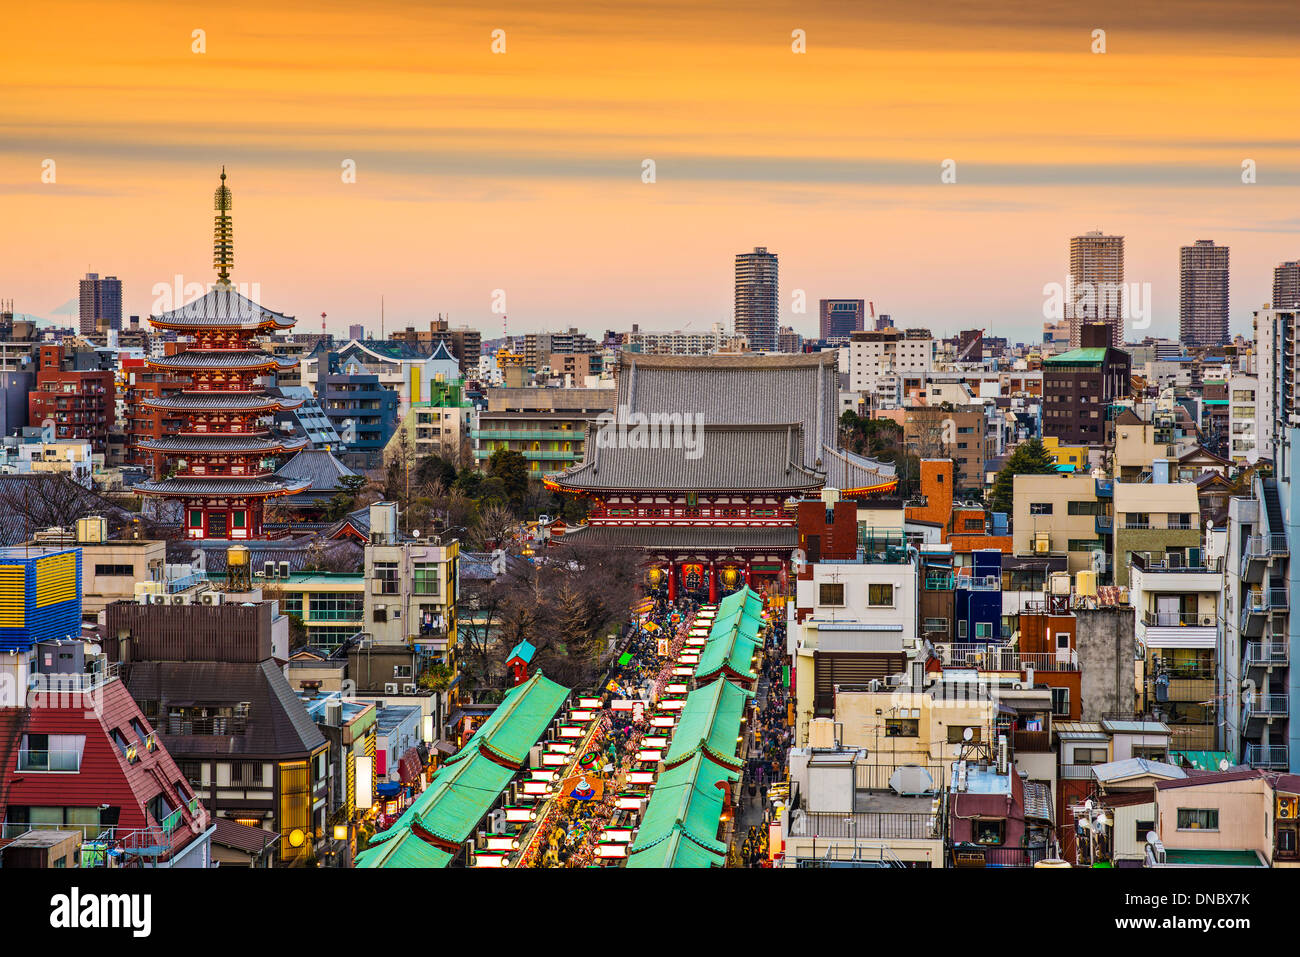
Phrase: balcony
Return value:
(63, 759)
(1002, 658)
(1256, 607)
(1178, 619)
(1267, 654)
(54, 683)
(1024, 741)
(1268, 756)
(864, 825)
(976, 855)
(979, 582)
(1075, 772)
(1266, 706)
(1105, 525)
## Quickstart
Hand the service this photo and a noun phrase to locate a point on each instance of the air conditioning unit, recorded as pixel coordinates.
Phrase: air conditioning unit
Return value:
(268, 570)
(284, 569)
(1042, 544)
(408, 689)
(390, 687)
(180, 599)
(211, 598)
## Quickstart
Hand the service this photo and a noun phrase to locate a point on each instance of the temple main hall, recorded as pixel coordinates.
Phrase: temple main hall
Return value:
(708, 524)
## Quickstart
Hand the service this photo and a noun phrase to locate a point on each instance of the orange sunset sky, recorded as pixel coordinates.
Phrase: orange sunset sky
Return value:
(521, 171)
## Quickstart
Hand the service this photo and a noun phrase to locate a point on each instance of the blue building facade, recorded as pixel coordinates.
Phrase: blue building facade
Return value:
(40, 596)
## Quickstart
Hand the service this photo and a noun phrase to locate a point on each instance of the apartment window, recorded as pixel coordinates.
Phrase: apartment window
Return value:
(334, 606)
(983, 629)
(246, 773)
(1090, 756)
(1060, 701)
(51, 752)
(1156, 753)
(937, 625)
(831, 593)
(386, 577)
(1198, 819)
(381, 613)
(1040, 508)
(990, 831)
(1286, 842)
(1140, 832)
(122, 571)
(902, 727)
(956, 733)
(961, 628)
(426, 578)
(1084, 508)
(193, 772)
(160, 808)
(880, 595)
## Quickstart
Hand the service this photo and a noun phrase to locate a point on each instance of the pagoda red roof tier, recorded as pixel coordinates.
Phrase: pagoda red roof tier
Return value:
(219, 486)
(221, 402)
(220, 359)
(223, 443)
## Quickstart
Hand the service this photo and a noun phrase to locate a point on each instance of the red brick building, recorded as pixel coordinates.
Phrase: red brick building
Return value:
(144, 421)
(80, 403)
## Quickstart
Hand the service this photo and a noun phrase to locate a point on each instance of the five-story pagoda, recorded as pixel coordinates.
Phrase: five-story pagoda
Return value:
(221, 464)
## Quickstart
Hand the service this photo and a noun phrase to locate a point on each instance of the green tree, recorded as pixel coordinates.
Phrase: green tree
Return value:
(435, 470)
(344, 500)
(512, 468)
(1029, 458)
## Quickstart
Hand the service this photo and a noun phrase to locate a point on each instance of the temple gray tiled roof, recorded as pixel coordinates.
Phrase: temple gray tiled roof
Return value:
(321, 468)
(729, 457)
(222, 308)
(745, 391)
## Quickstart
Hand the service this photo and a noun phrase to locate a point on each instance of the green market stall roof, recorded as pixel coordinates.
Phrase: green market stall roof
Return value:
(680, 828)
(444, 815)
(709, 725)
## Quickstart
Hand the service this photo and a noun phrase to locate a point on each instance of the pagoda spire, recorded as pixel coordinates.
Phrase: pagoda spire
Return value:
(223, 236)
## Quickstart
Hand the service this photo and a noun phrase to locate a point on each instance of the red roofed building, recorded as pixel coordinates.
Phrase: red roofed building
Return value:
(82, 757)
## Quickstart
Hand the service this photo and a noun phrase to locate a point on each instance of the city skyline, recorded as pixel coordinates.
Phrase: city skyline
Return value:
(478, 172)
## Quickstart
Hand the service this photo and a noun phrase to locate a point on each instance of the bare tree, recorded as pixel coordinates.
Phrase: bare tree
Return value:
(36, 502)
(495, 522)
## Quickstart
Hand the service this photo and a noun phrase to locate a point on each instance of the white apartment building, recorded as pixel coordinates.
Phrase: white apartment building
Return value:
(853, 620)
(873, 354)
(680, 342)
(1243, 414)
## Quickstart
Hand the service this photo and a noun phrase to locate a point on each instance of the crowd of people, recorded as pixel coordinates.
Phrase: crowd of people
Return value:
(571, 832)
(770, 746)
(574, 824)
